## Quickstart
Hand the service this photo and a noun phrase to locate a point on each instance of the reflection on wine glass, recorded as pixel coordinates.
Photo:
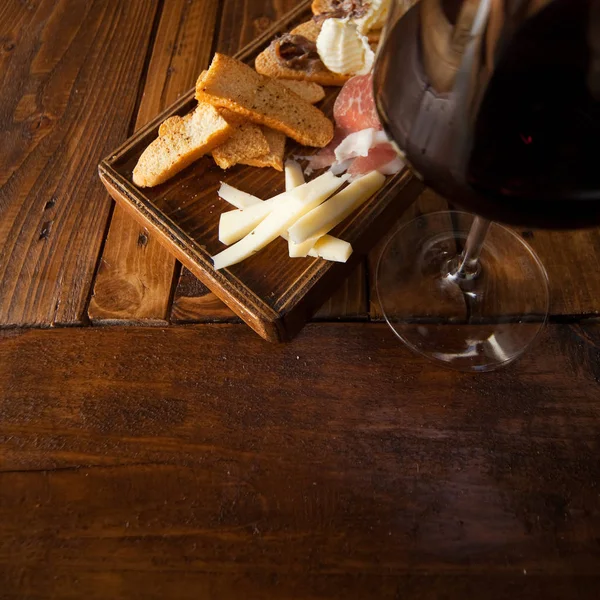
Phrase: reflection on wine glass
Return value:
(495, 104)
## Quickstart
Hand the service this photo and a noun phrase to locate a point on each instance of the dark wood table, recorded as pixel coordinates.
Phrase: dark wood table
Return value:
(152, 447)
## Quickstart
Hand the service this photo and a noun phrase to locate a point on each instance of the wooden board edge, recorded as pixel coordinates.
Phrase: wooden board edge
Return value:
(249, 307)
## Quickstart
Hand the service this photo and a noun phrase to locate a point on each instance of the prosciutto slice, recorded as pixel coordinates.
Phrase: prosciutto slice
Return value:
(354, 108)
(359, 144)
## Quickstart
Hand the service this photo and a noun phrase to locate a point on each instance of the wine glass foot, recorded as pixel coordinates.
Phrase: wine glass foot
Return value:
(478, 322)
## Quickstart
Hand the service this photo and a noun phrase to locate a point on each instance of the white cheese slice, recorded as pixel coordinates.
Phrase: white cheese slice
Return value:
(235, 224)
(332, 248)
(323, 218)
(297, 203)
(301, 250)
(326, 247)
(236, 197)
(293, 175)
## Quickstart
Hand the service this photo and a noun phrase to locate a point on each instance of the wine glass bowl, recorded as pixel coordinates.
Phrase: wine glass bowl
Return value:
(477, 323)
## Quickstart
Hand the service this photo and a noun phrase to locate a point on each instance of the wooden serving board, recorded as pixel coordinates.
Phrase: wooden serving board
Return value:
(271, 292)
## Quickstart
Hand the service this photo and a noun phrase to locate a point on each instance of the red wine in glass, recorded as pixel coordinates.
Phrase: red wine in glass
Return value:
(515, 136)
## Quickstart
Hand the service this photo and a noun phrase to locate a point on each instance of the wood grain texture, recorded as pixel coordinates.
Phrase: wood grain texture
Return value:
(202, 462)
(571, 259)
(243, 21)
(195, 303)
(350, 300)
(57, 121)
(136, 273)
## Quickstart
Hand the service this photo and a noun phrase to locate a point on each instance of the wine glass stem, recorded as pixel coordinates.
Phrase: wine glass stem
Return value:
(466, 266)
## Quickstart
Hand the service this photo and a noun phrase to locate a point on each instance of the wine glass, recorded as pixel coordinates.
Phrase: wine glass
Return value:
(495, 105)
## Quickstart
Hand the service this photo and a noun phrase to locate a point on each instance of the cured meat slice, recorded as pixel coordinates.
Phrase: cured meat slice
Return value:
(353, 111)
(378, 157)
(354, 108)
(326, 156)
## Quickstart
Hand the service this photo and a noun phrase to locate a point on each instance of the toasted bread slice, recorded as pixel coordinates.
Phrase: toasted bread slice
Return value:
(232, 84)
(181, 141)
(274, 156)
(268, 64)
(310, 30)
(246, 142)
(310, 91)
(230, 116)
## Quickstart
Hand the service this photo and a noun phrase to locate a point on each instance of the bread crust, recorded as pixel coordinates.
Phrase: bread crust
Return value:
(310, 91)
(232, 84)
(180, 141)
(274, 156)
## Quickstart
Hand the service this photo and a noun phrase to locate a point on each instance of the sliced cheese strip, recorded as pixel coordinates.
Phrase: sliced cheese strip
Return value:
(326, 247)
(293, 175)
(301, 250)
(235, 224)
(236, 197)
(297, 203)
(323, 218)
(332, 248)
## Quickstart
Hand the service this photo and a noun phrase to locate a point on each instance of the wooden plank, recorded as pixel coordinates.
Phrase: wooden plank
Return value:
(69, 75)
(135, 277)
(241, 23)
(571, 259)
(201, 462)
(195, 303)
(350, 301)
